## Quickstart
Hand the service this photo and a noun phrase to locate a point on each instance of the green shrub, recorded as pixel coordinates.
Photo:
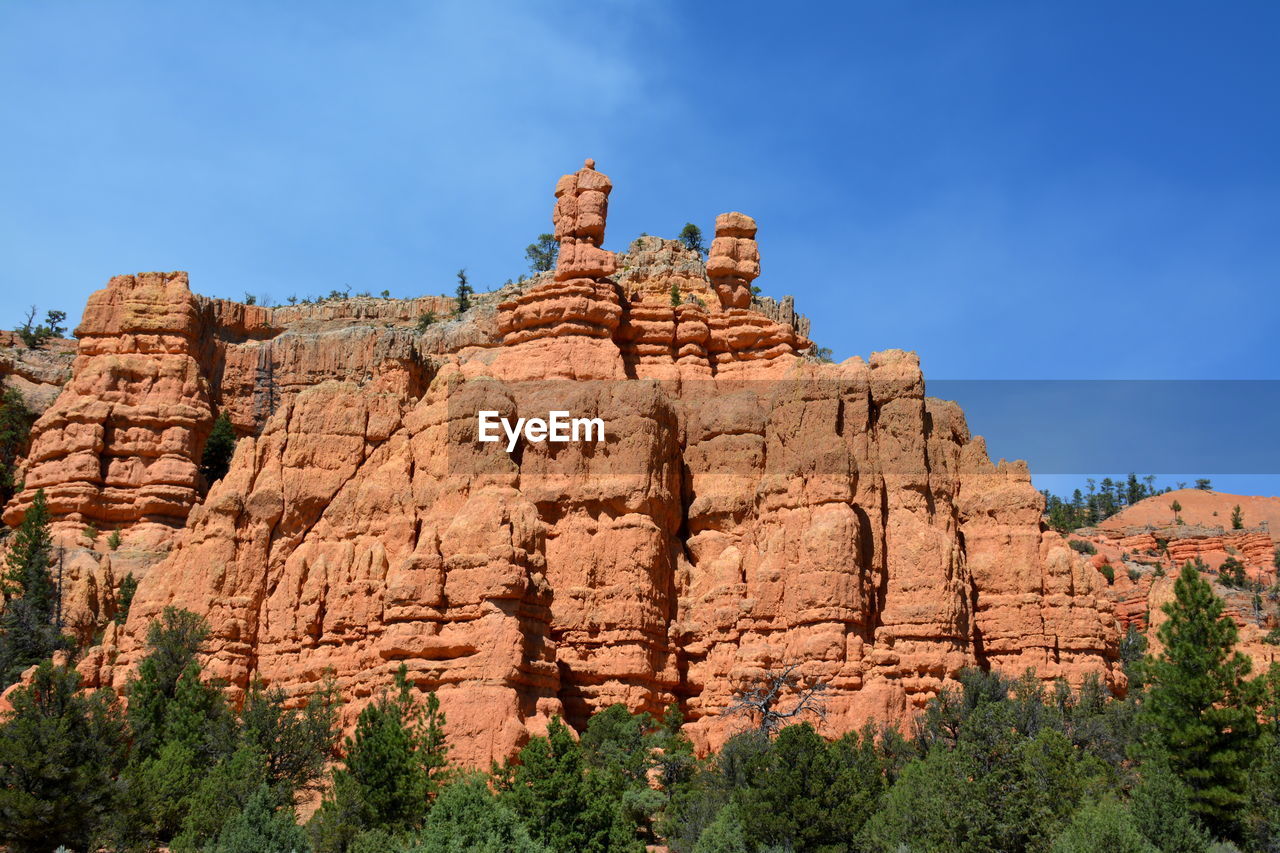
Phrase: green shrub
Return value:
(1082, 547)
(124, 597)
(35, 336)
(218, 450)
(1105, 826)
(691, 236)
(261, 827)
(468, 817)
(542, 254)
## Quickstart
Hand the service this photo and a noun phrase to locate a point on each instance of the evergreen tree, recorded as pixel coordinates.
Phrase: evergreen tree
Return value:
(124, 597)
(35, 336)
(279, 750)
(29, 629)
(220, 795)
(542, 254)
(463, 293)
(725, 834)
(1133, 650)
(181, 726)
(172, 643)
(1200, 705)
(806, 794)
(616, 743)
(295, 744)
(262, 826)
(562, 806)
(673, 752)
(1108, 498)
(1161, 810)
(691, 236)
(1231, 573)
(1105, 825)
(1237, 518)
(60, 751)
(1133, 490)
(1264, 782)
(393, 765)
(15, 431)
(218, 450)
(676, 297)
(467, 817)
(1078, 510)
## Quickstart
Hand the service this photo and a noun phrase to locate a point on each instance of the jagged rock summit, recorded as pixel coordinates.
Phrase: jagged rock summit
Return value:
(748, 507)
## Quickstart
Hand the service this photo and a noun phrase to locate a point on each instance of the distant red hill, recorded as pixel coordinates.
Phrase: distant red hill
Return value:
(1206, 508)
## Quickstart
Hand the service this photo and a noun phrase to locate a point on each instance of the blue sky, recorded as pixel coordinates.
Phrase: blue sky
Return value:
(1016, 190)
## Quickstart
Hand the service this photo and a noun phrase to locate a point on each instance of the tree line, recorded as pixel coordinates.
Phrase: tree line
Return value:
(1187, 760)
(1102, 500)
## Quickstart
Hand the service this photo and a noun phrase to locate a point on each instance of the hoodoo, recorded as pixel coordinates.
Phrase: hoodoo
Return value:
(750, 506)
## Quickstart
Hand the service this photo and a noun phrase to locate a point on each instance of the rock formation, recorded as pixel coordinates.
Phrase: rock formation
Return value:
(38, 374)
(748, 506)
(734, 261)
(1146, 551)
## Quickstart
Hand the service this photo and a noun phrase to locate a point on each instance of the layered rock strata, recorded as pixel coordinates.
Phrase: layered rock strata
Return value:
(39, 373)
(747, 508)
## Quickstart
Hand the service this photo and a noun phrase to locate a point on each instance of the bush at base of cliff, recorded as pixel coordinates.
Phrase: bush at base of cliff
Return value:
(468, 817)
(60, 751)
(261, 827)
(1102, 826)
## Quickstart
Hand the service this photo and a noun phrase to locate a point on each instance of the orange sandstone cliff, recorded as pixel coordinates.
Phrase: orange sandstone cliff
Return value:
(749, 506)
(1146, 545)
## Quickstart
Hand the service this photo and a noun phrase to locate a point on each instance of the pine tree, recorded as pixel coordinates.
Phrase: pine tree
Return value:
(1133, 490)
(59, 753)
(35, 336)
(262, 826)
(29, 630)
(801, 797)
(295, 744)
(691, 236)
(218, 450)
(181, 727)
(676, 298)
(562, 805)
(542, 254)
(1105, 825)
(463, 292)
(15, 430)
(1237, 518)
(1161, 809)
(172, 643)
(393, 765)
(1200, 704)
(467, 817)
(124, 597)
(220, 795)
